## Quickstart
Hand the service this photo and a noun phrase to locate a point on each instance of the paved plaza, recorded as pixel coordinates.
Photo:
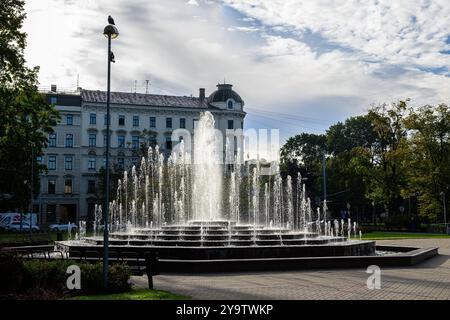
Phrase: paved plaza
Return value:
(428, 280)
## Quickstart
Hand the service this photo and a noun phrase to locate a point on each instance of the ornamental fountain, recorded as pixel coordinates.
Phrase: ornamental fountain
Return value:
(190, 206)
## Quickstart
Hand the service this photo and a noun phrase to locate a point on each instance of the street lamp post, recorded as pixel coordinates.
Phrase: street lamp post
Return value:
(110, 32)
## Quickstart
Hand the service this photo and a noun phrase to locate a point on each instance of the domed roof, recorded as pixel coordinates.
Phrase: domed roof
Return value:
(223, 93)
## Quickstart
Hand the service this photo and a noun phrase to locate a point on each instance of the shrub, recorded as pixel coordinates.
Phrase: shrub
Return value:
(119, 276)
(399, 222)
(11, 272)
(92, 278)
(38, 279)
(47, 275)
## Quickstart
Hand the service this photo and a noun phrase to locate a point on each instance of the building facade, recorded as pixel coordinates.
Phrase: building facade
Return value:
(76, 150)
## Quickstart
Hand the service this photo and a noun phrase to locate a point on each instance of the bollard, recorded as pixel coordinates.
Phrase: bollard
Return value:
(151, 266)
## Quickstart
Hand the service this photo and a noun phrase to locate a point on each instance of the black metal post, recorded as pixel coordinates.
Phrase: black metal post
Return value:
(445, 213)
(32, 190)
(324, 186)
(106, 210)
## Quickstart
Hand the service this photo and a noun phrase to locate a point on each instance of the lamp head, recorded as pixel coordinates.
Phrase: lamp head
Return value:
(111, 30)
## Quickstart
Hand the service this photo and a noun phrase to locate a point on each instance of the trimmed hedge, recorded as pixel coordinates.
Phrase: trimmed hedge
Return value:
(20, 277)
(12, 273)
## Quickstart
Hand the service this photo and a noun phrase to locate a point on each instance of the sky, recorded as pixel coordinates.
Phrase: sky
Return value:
(300, 65)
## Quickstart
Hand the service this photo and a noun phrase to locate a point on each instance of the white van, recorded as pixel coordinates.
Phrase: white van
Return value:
(11, 219)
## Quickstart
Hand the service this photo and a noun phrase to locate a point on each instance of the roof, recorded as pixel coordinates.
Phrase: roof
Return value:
(223, 93)
(144, 99)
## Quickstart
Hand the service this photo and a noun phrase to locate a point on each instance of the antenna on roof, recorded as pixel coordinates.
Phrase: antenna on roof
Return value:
(135, 86)
(146, 86)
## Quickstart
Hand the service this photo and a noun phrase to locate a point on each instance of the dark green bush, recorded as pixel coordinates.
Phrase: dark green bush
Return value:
(46, 274)
(398, 222)
(11, 272)
(32, 276)
(91, 277)
(119, 276)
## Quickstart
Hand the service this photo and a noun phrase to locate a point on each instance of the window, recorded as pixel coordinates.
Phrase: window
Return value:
(91, 186)
(230, 124)
(52, 140)
(135, 142)
(152, 122)
(105, 118)
(121, 163)
(92, 118)
(242, 124)
(53, 100)
(230, 104)
(168, 122)
(91, 163)
(104, 140)
(121, 120)
(39, 159)
(121, 141)
(51, 162)
(183, 123)
(69, 119)
(51, 186)
(68, 162)
(68, 186)
(134, 161)
(69, 140)
(135, 121)
(92, 139)
(168, 143)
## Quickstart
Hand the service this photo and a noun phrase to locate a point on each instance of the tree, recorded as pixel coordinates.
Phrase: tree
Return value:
(115, 174)
(304, 153)
(344, 184)
(428, 168)
(25, 117)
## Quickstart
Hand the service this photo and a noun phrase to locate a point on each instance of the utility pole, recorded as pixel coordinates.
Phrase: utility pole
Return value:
(445, 212)
(31, 190)
(325, 186)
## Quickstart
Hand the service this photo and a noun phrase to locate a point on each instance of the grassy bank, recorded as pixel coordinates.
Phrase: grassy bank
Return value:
(24, 238)
(139, 294)
(401, 235)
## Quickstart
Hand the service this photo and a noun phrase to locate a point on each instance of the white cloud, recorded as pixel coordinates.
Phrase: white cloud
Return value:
(321, 60)
(193, 3)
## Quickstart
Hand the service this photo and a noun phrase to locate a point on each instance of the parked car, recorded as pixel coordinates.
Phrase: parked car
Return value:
(15, 227)
(63, 227)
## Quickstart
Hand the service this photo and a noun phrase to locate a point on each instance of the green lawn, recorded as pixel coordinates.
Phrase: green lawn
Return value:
(26, 237)
(401, 235)
(139, 294)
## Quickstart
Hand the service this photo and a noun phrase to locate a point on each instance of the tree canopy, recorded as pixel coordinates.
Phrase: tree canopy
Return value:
(25, 117)
(383, 159)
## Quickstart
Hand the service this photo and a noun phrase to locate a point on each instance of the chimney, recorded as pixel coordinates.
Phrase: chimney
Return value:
(201, 94)
(53, 88)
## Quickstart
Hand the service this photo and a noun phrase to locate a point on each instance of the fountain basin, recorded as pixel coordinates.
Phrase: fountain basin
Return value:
(183, 250)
